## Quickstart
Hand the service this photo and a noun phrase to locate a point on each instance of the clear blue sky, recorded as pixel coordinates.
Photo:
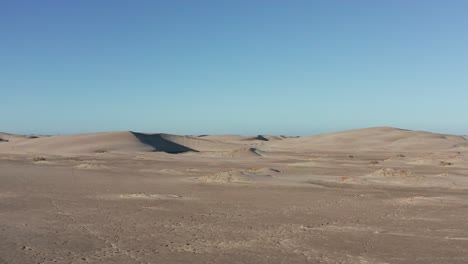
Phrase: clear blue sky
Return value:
(244, 67)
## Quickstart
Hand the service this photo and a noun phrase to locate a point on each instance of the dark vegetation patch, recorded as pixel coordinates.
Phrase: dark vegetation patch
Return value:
(39, 158)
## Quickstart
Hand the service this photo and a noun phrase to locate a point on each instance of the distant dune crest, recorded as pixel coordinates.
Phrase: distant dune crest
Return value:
(379, 138)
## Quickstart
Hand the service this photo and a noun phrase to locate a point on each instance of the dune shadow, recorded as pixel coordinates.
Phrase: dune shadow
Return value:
(159, 143)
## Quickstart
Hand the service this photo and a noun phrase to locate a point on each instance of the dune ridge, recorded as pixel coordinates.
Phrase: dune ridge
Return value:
(377, 138)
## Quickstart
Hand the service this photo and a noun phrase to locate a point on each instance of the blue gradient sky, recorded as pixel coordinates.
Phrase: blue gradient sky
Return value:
(244, 67)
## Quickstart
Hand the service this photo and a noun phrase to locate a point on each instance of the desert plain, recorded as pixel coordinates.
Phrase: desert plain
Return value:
(375, 195)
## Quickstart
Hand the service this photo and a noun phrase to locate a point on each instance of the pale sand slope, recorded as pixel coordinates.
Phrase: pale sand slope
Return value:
(379, 138)
(377, 195)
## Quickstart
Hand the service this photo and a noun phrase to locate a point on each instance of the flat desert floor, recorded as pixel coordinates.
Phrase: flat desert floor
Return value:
(378, 195)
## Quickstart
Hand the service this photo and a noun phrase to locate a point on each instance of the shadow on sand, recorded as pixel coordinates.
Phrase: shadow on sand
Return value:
(159, 143)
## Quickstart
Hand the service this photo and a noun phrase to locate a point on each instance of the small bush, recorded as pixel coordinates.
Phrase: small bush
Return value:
(445, 163)
(39, 158)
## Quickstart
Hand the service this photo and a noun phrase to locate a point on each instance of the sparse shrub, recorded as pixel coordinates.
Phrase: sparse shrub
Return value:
(374, 162)
(351, 156)
(39, 158)
(445, 163)
(400, 156)
(100, 151)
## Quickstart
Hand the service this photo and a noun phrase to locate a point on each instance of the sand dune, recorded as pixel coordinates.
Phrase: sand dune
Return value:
(379, 138)
(235, 146)
(83, 143)
(111, 142)
(6, 137)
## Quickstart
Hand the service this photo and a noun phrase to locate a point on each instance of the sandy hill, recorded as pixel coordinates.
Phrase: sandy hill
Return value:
(377, 138)
(82, 143)
(5, 137)
(110, 142)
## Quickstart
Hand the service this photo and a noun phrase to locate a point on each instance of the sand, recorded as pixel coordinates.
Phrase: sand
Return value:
(376, 195)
